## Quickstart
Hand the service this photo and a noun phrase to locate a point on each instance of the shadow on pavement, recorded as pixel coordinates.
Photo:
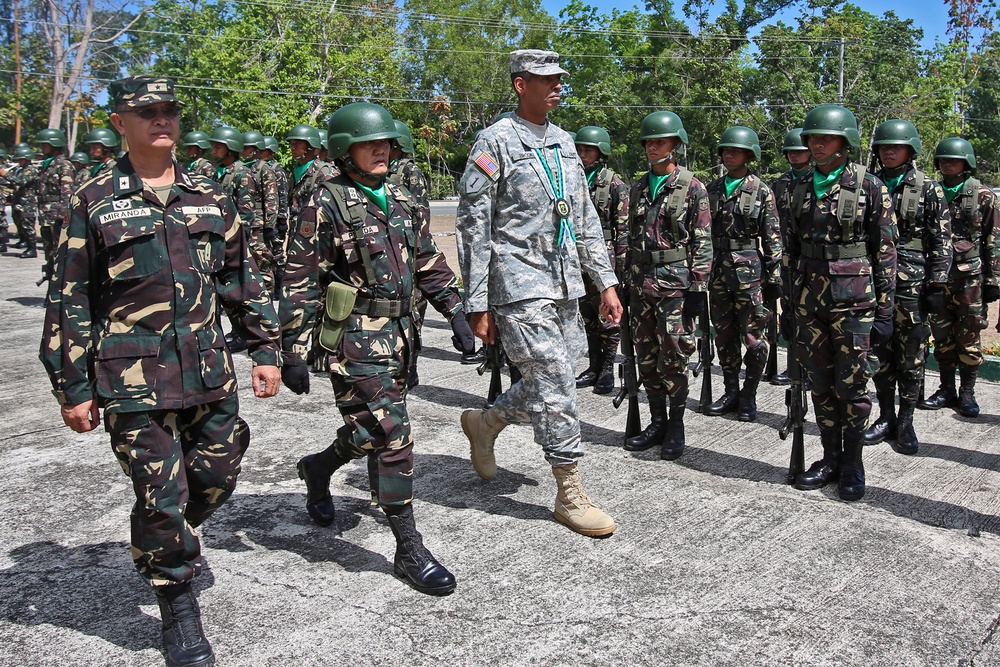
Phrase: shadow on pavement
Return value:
(29, 301)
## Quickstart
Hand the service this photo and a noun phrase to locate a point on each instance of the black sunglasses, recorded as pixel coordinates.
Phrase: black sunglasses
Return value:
(151, 113)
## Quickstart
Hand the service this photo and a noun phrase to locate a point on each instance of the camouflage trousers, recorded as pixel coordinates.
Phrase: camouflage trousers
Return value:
(49, 231)
(261, 254)
(901, 359)
(607, 334)
(183, 465)
(4, 230)
(377, 426)
(739, 317)
(833, 344)
(956, 331)
(25, 223)
(543, 338)
(664, 342)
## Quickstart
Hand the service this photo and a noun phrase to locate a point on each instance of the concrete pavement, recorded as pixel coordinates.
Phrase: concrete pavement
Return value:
(716, 561)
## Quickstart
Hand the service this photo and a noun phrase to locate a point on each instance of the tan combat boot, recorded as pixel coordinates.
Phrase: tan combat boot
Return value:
(481, 428)
(574, 508)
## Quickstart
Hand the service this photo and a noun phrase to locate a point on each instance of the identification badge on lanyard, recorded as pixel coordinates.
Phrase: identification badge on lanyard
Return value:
(562, 208)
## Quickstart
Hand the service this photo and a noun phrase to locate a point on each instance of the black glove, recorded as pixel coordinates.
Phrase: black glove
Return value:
(296, 377)
(463, 340)
(785, 326)
(991, 293)
(772, 291)
(695, 304)
(270, 235)
(934, 300)
(881, 331)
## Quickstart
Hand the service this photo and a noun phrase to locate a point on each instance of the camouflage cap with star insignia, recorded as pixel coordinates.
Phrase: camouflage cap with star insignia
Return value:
(141, 91)
(535, 61)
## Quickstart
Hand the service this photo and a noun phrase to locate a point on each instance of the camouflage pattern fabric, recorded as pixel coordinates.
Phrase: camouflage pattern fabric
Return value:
(836, 301)
(736, 301)
(103, 168)
(975, 263)
(301, 191)
(782, 199)
(82, 176)
(369, 370)
(141, 91)
(664, 338)
(238, 182)
(202, 167)
(902, 358)
(24, 199)
(514, 264)
(55, 186)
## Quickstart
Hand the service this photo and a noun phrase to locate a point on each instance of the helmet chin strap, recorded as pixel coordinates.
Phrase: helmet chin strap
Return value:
(672, 155)
(351, 166)
(825, 161)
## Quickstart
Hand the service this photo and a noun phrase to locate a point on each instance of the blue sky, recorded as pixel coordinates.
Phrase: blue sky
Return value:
(930, 15)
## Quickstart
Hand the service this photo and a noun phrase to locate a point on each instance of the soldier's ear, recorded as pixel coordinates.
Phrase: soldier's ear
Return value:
(117, 121)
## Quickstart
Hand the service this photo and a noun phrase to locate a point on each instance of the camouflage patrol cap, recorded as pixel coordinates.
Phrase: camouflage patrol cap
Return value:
(535, 61)
(141, 91)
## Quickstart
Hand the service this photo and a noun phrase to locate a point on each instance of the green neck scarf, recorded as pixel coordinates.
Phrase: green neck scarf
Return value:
(220, 171)
(299, 170)
(733, 184)
(822, 184)
(592, 175)
(376, 195)
(47, 161)
(96, 168)
(892, 182)
(656, 184)
(950, 192)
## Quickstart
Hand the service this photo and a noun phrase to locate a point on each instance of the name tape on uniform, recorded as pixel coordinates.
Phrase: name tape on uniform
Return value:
(122, 215)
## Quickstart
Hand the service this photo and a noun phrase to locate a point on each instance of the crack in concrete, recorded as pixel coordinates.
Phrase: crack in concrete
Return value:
(991, 631)
(41, 430)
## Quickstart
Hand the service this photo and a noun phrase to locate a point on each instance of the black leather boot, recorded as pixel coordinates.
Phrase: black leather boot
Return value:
(827, 469)
(588, 377)
(315, 470)
(748, 396)
(235, 342)
(673, 442)
(606, 376)
(730, 399)
(653, 434)
(781, 379)
(20, 244)
(852, 470)
(885, 427)
(29, 251)
(413, 561)
(967, 406)
(945, 396)
(906, 438)
(184, 639)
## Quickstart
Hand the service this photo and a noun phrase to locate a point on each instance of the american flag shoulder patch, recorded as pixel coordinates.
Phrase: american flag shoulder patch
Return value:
(486, 165)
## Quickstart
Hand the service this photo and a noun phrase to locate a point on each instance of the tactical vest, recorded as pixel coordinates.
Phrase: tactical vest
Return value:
(850, 247)
(970, 205)
(308, 187)
(602, 195)
(745, 208)
(676, 210)
(909, 208)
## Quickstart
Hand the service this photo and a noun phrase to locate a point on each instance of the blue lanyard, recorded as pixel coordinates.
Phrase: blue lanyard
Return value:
(558, 184)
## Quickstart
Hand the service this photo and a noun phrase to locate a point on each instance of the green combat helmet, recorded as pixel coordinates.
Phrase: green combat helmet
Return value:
(834, 120)
(307, 133)
(405, 140)
(898, 132)
(197, 138)
(740, 136)
(23, 151)
(230, 136)
(356, 123)
(955, 147)
(662, 124)
(271, 144)
(253, 138)
(80, 158)
(102, 136)
(323, 139)
(54, 138)
(598, 137)
(793, 141)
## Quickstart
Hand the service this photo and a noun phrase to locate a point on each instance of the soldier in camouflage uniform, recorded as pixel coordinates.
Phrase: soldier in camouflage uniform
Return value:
(265, 203)
(526, 230)
(670, 261)
(81, 165)
(972, 282)
(746, 276)
(56, 178)
(359, 254)
(323, 152)
(195, 144)
(102, 144)
(268, 156)
(162, 249)
(609, 194)
(923, 258)
(841, 254)
(23, 181)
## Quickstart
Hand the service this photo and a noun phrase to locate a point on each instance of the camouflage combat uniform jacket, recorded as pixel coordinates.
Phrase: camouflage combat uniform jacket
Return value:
(267, 193)
(282, 177)
(406, 173)
(55, 186)
(747, 243)
(302, 190)
(976, 236)
(610, 196)
(102, 167)
(24, 196)
(201, 167)
(132, 313)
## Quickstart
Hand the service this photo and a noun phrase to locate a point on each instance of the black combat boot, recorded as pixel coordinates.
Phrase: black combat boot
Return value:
(781, 379)
(184, 639)
(730, 399)
(413, 561)
(20, 244)
(885, 427)
(945, 396)
(29, 251)
(606, 377)
(827, 469)
(412, 377)
(589, 376)
(673, 443)
(653, 434)
(236, 342)
(852, 470)
(967, 406)
(315, 470)
(748, 396)
(906, 438)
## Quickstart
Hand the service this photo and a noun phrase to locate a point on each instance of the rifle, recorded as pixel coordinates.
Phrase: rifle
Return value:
(797, 403)
(629, 377)
(771, 367)
(706, 353)
(494, 361)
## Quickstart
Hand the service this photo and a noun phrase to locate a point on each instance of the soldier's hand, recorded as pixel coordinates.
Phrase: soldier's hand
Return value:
(611, 307)
(483, 326)
(695, 304)
(463, 340)
(296, 377)
(991, 293)
(881, 331)
(935, 299)
(83, 417)
(772, 291)
(266, 381)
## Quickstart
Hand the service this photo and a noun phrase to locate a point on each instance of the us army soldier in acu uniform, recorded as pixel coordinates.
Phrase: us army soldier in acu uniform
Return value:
(842, 267)
(526, 230)
(131, 326)
(357, 258)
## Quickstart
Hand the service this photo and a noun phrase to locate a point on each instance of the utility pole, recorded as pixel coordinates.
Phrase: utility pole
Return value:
(17, 77)
(840, 85)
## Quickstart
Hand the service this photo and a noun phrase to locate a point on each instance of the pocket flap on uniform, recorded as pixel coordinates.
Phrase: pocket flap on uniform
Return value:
(207, 223)
(120, 231)
(209, 339)
(340, 300)
(118, 346)
(850, 267)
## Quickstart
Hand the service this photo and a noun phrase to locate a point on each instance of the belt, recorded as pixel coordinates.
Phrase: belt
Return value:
(382, 307)
(660, 257)
(970, 253)
(724, 243)
(916, 245)
(833, 251)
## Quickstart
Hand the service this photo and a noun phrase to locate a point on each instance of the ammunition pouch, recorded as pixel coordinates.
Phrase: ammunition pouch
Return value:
(340, 303)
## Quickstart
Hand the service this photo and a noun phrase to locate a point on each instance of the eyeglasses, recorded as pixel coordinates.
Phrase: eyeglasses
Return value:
(152, 113)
